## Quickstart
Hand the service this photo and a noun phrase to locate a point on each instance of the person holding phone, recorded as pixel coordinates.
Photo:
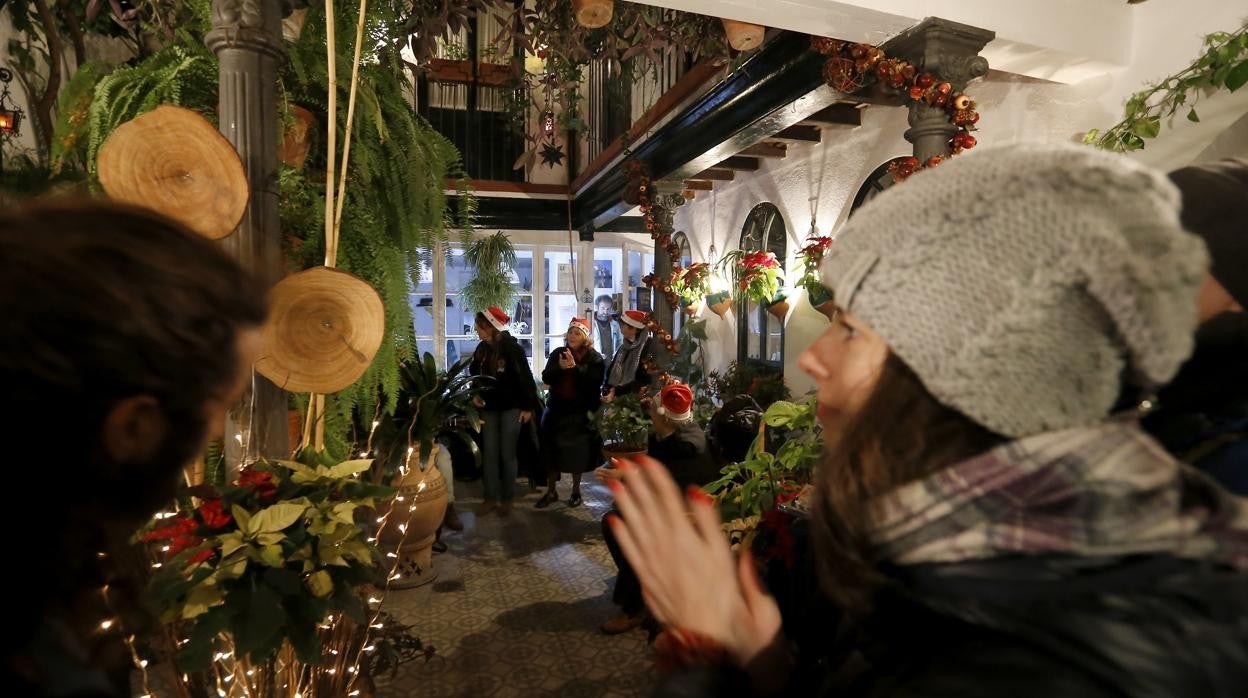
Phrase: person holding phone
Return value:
(569, 442)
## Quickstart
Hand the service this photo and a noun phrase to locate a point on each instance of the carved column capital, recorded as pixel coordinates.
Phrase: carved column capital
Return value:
(254, 25)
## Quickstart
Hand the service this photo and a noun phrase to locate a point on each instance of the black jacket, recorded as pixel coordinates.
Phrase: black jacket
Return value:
(1033, 627)
(588, 371)
(513, 386)
(686, 455)
(1203, 413)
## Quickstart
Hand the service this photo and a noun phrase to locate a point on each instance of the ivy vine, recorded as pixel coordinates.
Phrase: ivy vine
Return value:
(1223, 65)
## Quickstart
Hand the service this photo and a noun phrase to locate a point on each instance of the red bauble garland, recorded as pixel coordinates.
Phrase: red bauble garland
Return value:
(634, 170)
(850, 65)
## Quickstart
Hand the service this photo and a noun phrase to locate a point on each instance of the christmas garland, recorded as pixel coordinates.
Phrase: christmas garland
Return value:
(850, 66)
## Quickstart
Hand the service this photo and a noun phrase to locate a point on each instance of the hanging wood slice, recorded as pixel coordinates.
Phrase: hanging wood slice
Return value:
(175, 162)
(324, 329)
(593, 14)
(743, 36)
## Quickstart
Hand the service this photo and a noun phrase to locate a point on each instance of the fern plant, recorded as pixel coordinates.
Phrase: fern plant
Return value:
(493, 259)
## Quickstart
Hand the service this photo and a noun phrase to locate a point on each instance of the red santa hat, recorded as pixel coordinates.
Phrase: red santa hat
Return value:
(676, 402)
(580, 323)
(498, 318)
(634, 318)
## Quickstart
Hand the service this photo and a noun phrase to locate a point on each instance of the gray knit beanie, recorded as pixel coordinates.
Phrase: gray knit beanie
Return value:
(1024, 284)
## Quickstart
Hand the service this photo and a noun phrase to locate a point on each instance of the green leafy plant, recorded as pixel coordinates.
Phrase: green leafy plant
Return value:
(1223, 65)
(436, 404)
(692, 283)
(753, 486)
(756, 275)
(812, 255)
(623, 424)
(765, 385)
(689, 362)
(271, 561)
(493, 259)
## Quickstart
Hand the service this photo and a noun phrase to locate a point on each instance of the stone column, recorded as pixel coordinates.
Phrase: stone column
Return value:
(950, 52)
(246, 35)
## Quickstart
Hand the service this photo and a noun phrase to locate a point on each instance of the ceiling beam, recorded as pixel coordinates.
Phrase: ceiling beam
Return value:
(798, 134)
(843, 114)
(716, 175)
(766, 150)
(699, 184)
(739, 163)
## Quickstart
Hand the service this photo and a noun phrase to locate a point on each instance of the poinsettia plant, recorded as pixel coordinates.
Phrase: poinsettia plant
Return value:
(812, 255)
(692, 283)
(262, 563)
(757, 274)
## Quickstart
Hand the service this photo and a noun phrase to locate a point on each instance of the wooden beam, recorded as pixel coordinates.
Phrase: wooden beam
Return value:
(716, 175)
(842, 114)
(484, 186)
(766, 150)
(798, 134)
(738, 162)
(699, 184)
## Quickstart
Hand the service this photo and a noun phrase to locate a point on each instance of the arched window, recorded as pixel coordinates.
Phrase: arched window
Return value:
(686, 258)
(760, 335)
(879, 180)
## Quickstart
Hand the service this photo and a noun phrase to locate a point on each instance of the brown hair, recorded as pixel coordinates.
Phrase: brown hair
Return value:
(901, 434)
(102, 302)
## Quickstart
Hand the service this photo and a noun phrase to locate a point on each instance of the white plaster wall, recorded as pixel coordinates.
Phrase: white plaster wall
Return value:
(822, 179)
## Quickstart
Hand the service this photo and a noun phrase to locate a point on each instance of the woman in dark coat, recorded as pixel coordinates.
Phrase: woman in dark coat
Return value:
(507, 403)
(570, 443)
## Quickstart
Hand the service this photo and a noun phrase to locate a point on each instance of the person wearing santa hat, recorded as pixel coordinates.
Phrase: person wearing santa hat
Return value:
(627, 372)
(570, 444)
(507, 402)
(678, 442)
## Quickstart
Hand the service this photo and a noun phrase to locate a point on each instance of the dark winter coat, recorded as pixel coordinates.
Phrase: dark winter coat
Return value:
(1033, 627)
(1203, 413)
(570, 443)
(686, 455)
(513, 386)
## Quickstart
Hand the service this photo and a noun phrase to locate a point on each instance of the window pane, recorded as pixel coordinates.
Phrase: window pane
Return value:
(522, 277)
(522, 316)
(459, 320)
(423, 275)
(560, 309)
(457, 349)
(608, 266)
(634, 268)
(775, 335)
(560, 270)
(422, 314)
(423, 346)
(458, 271)
(754, 318)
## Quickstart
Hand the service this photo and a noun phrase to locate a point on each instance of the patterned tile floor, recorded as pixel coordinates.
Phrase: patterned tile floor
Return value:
(516, 607)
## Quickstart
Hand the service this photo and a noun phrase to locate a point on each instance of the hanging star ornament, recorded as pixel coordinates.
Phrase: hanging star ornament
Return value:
(552, 155)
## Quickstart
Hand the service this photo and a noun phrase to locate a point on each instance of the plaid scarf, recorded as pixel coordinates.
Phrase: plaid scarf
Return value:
(1101, 490)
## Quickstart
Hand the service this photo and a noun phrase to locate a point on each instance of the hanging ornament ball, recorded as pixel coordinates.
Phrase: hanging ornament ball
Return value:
(961, 102)
(924, 80)
(916, 93)
(593, 14)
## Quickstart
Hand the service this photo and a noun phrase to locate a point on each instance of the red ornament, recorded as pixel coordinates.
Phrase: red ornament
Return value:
(916, 93)
(933, 161)
(924, 80)
(944, 88)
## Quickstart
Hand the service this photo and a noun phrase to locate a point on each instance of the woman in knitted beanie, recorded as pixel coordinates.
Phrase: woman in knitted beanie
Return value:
(989, 518)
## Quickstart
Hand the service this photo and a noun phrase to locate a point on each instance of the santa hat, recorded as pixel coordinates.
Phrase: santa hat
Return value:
(498, 318)
(676, 402)
(581, 324)
(634, 318)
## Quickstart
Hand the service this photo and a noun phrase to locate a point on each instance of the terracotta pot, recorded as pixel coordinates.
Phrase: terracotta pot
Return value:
(779, 309)
(613, 451)
(743, 36)
(593, 14)
(419, 504)
(826, 307)
(692, 309)
(721, 307)
(297, 139)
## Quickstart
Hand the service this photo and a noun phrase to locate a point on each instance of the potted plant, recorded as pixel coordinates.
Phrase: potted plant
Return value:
(756, 275)
(624, 427)
(692, 284)
(494, 260)
(764, 384)
(435, 404)
(812, 255)
(266, 571)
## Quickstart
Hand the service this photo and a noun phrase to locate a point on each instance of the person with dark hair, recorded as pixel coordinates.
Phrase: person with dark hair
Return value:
(733, 429)
(507, 403)
(607, 335)
(680, 445)
(570, 444)
(986, 523)
(627, 372)
(1202, 415)
(126, 339)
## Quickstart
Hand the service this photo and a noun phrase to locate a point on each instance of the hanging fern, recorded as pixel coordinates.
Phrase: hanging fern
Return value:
(493, 260)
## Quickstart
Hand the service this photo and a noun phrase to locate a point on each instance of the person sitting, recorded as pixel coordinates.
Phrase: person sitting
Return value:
(569, 442)
(733, 429)
(127, 337)
(628, 372)
(680, 444)
(1202, 415)
(985, 521)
